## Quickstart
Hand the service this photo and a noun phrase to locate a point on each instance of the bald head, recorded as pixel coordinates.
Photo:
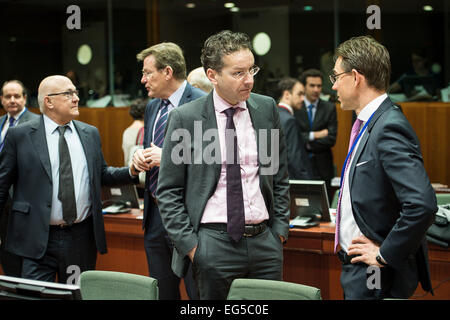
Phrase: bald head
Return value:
(197, 78)
(56, 99)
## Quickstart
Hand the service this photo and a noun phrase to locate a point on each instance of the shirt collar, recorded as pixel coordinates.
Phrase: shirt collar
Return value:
(51, 126)
(307, 103)
(291, 111)
(220, 105)
(17, 116)
(176, 96)
(371, 107)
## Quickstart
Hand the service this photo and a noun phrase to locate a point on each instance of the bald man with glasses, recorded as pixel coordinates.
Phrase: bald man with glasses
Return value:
(57, 168)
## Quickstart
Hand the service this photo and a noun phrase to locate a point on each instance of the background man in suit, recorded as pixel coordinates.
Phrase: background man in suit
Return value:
(318, 124)
(386, 201)
(13, 97)
(57, 168)
(291, 93)
(164, 77)
(227, 210)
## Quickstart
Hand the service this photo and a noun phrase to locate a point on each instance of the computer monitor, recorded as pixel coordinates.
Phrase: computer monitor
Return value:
(309, 199)
(12, 288)
(125, 194)
(410, 83)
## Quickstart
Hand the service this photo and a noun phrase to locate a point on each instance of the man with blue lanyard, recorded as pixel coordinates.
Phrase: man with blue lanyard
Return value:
(13, 97)
(386, 201)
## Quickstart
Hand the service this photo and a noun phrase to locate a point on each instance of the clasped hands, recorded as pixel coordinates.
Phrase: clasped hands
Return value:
(145, 159)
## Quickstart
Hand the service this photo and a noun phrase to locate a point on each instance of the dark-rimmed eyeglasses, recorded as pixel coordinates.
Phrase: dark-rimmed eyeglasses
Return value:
(68, 94)
(334, 77)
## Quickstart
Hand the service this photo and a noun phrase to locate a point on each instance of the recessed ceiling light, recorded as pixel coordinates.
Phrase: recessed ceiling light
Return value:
(190, 5)
(308, 8)
(427, 8)
(261, 43)
(229, 5)
(235, 9)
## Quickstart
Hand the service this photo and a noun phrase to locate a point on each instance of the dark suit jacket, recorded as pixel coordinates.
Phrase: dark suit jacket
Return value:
(152, 221)
(26, 116)
(392, 199)
(184, 189)
(25, 164)
(325, 118)
(299, 167)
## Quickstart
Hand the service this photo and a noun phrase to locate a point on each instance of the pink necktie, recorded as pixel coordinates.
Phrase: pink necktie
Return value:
(355, 130)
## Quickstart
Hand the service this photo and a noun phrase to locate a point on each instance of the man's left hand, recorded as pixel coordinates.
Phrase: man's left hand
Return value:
(366, 251)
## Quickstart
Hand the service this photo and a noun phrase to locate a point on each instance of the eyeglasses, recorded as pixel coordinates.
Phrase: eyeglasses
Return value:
(334, 77)
(68, 94)
(241, 74)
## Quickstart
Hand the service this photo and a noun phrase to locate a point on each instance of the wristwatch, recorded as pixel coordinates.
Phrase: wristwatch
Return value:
(380, 260)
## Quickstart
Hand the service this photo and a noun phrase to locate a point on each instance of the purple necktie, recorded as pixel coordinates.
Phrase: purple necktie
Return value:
(158, 140)
(11, 124)
(355, 130)
(235, 198)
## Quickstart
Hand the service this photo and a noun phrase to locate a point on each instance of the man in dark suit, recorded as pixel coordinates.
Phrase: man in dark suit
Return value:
(291, 92)
(318, 124)
(57, 169)
(164, 76)
(386, 201)
(13, 98)
(223, 188)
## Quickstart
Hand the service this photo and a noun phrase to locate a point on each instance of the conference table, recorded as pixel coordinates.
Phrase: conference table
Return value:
(308, 257)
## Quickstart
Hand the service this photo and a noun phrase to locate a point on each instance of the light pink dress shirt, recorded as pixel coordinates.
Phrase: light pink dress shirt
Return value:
(254, 205)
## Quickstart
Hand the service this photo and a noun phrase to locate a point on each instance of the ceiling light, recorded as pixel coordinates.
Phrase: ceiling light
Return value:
(427, 8)
(235, 9)
(229, 5)
(190, 5)
(261, 43)
(308, 8)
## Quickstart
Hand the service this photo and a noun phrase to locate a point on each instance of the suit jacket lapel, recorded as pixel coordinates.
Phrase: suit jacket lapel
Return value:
(381, 109)
(38, 137)
(209, 121)
(86, 142)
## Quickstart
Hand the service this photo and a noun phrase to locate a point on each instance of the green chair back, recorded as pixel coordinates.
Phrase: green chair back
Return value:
(110, 285)
(257, 289)
(443, 198)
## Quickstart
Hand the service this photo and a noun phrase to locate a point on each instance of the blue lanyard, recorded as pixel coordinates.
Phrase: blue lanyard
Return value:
(353, 147)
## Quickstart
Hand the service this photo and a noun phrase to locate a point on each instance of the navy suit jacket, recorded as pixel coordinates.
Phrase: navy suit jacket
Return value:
(299, 167)
(325, 118)
(392, 199)
(25, 164)
(152, 221)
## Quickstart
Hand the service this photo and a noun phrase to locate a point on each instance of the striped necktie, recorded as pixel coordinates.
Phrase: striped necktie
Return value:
(158, 139)
(11, 124)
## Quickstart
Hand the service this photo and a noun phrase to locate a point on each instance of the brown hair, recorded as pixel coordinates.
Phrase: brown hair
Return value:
(166, 54)
(368, 57)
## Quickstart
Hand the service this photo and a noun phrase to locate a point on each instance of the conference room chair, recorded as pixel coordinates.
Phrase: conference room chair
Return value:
(443, 198)
(257, 289)
(111, 285)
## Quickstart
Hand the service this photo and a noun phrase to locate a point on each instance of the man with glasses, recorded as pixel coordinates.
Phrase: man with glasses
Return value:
(57, 168)
(386, 201)
(13, 98)
(318, 123)
(164, 77)
(224, 197)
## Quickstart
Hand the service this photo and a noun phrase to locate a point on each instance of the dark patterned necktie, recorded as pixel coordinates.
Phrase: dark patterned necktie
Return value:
(11, 124)
(235, 198)
(66, 190)
(158, 140)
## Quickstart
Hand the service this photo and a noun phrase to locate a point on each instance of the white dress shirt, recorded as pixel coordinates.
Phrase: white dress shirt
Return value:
(348, 227)
(79, 169)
